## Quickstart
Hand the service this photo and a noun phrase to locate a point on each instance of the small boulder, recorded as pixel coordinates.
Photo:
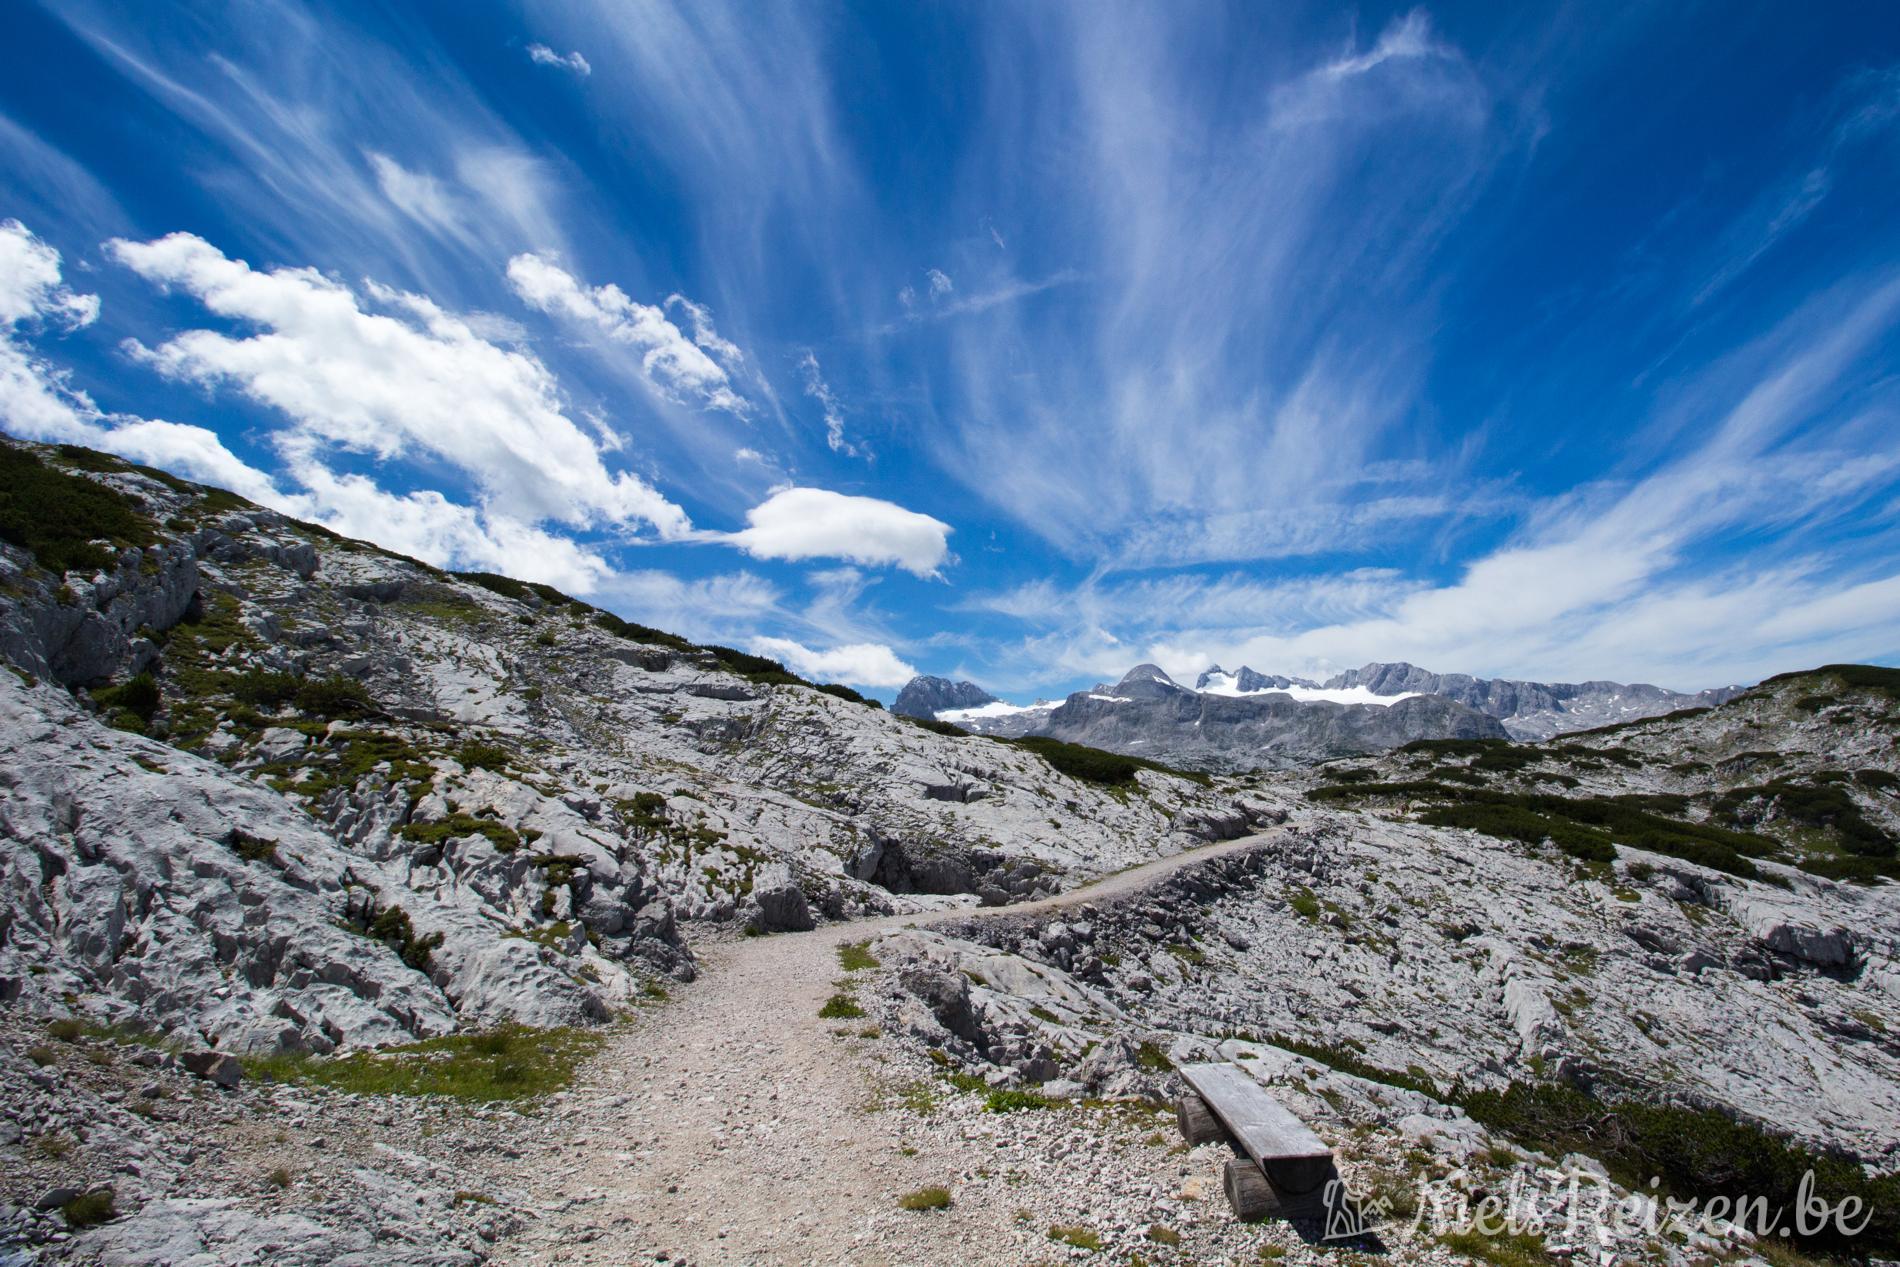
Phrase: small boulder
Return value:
(213, 1066)
(947, 994)
(782, 909)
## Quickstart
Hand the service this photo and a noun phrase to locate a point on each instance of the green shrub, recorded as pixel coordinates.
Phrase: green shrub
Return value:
(640, 633)
(392, 927)
(1346, 1060)
(138, 696)
(1853, 870)
(249, 847)
(335, 698)
(1583, 827)
(1511, 822)
(482, 756)
(1697, 1153)
(1861, 677)
(58, 516)
(1152, 1058)
(505, 839)
(936, 727)
(90, 1209)
(520, 591)
(1093, 765)
(261, 688)
(846, 693)
(1821, 803)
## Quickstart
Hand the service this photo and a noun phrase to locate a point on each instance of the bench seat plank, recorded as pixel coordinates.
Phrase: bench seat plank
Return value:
(1265, 1130)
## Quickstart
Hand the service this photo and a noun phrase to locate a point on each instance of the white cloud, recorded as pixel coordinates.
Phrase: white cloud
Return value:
(815, 523)
(410, 381)
(699, 316)
(430, 527)
(37, 402)
(542, 55)
(677, 366)
(940, 283)
(820, 391)
(30, 288)
(859, 663)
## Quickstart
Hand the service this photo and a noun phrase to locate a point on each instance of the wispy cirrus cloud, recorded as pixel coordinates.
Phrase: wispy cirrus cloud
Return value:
(820, 391)
(542, 55)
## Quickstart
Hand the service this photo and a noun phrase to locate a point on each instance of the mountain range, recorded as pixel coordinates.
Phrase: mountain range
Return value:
(1248, 719)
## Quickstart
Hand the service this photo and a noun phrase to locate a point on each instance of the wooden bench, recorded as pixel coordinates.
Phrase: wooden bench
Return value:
(1285, 1170)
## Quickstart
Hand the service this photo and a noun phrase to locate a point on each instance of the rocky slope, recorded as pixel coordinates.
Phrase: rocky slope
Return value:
(372, 799)
(1392, 974)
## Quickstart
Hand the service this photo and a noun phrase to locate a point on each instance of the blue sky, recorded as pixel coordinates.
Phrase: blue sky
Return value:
(1015, 342)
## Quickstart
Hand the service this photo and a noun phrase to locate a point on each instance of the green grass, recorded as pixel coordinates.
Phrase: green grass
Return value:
(1077, 1236)
(856, 956)
(925, 1199)
(512, 1062)
(840, 1007)
(1003, 1101)
(1521, 1250)
(1153, 1059)
(58, 516)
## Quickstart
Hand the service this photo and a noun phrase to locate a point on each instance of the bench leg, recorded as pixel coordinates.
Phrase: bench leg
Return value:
(1248, 1193)
(1198, 1123)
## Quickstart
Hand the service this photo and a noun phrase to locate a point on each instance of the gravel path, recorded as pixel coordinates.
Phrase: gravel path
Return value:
(730, 1125)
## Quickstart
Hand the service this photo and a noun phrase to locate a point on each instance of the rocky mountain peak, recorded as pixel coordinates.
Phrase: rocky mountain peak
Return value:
(925, 696)
(1145, 681)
